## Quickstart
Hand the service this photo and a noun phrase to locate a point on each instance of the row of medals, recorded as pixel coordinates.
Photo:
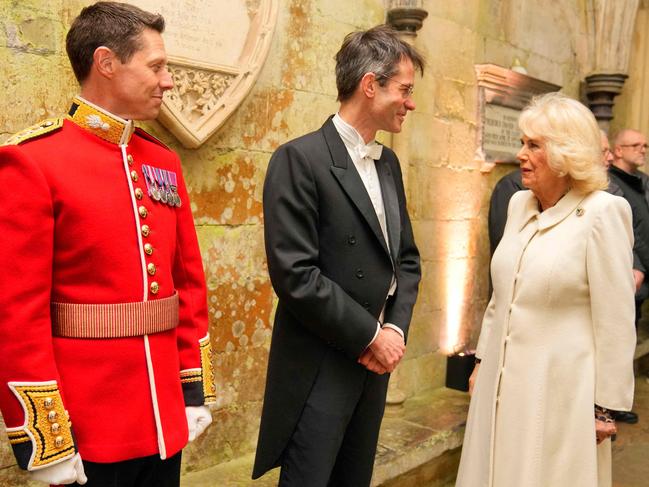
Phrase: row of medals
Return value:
(158, 190)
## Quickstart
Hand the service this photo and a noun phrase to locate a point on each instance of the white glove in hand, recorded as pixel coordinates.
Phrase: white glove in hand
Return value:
(198, 418)
(66, 472)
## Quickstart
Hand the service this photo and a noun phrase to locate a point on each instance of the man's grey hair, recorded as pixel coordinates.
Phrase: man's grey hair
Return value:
(378, 50)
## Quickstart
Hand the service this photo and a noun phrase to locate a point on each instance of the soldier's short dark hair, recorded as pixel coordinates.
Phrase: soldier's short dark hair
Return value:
(378, 50)
(117, 26)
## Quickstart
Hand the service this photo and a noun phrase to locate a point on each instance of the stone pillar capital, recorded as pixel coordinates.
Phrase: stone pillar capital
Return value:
(407, 20)
(601, 89)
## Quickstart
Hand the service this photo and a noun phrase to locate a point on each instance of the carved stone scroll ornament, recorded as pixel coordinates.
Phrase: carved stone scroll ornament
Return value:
(215, 55)
(196, 92)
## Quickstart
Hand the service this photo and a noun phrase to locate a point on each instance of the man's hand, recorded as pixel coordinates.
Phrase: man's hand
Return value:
(604, 430)
(198, 418)
(67, 472)
(638, 276)
(371, 363)
(387, 349)
(474, 374)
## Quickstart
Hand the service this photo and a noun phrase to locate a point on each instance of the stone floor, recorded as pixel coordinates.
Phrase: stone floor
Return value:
(420, 447)
(631, 449)
(419, 441)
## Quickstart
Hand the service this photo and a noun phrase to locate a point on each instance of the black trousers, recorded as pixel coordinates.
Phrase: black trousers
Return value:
(334, 442)
(140, 472)
(638, 310)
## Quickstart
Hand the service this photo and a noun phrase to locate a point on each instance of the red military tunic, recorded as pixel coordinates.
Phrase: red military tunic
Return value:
(77, 225)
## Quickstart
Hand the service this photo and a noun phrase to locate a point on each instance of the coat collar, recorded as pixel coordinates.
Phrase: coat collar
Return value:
(570, 202)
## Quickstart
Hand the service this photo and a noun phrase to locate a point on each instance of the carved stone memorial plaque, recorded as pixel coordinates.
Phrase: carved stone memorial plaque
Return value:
(215, 50)
(502, 94)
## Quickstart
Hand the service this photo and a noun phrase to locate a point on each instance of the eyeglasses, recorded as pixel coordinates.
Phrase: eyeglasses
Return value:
(636, 146)
(407, 90)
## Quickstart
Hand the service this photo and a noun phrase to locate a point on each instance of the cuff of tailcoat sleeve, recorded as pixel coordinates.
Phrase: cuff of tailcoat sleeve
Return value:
(376, 333)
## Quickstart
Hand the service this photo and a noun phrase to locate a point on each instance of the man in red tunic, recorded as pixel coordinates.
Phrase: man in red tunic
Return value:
(103, 332)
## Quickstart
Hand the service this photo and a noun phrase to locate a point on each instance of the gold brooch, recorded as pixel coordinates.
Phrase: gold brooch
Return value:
(580, 211)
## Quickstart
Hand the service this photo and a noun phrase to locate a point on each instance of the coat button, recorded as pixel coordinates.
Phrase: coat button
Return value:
(51, 416)
(139, 193)
(148, 249)
(351, 240)
(55, 428)
(146, 230)
(143, 211)
(129, 158)
(150, 268)
(58, 441)
(134, 176)
(155, 287)
(48, 402)
(359, 273)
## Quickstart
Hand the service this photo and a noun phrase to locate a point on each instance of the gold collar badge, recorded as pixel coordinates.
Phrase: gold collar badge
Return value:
(100, 122)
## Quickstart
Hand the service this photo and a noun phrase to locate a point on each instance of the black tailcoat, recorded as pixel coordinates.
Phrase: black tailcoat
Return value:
(331, 269)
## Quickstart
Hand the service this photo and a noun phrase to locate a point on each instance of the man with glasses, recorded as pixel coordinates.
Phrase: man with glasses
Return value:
(343, 262)
(629, 152)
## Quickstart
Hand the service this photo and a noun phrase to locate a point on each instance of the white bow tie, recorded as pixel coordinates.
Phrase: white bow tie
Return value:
(371, 150)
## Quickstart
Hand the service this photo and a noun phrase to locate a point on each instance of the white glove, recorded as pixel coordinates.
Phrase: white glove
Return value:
(66, 472)
(198, 418)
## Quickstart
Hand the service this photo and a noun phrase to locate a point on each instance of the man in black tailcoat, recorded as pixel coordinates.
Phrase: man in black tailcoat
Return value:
(343, 262)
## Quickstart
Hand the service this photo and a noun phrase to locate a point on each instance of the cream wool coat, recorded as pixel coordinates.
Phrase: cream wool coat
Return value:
(558, 337)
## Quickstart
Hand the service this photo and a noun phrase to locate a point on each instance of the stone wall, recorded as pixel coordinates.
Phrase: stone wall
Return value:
(448, 195)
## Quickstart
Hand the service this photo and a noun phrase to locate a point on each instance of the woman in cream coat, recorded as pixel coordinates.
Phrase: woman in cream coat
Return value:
(558, 336)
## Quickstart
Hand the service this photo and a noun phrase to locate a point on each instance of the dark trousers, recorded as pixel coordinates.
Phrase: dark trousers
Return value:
(140, 472)
(638, 310)
(334, 442)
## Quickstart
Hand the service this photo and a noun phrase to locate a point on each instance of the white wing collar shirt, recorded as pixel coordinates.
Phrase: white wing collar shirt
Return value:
(363, 156)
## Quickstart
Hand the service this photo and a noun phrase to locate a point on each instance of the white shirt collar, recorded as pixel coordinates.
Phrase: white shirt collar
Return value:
(354, 141)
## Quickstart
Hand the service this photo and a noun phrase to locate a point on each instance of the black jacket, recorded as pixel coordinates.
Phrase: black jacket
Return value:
(632, 189)
(502, 193)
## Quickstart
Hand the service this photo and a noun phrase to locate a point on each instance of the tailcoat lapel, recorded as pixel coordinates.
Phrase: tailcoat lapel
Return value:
(390, 203)
(345, 173)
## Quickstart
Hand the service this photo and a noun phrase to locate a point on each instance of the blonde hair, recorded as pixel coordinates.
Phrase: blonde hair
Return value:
(571, 139)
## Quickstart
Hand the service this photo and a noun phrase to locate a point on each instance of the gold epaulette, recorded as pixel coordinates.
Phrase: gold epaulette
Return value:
(41, 128)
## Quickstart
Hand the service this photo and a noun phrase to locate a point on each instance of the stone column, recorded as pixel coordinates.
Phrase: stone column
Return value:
(407, 17)
(632, 106)
(609, 30)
